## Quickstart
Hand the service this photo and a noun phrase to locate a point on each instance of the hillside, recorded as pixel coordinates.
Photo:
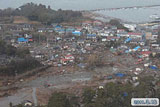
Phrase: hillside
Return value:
(41, 13)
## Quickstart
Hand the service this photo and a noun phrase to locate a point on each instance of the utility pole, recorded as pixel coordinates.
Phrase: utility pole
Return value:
(39, 38)
(47, 43)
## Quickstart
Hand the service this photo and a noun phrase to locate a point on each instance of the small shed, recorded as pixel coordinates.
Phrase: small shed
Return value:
(119, 75)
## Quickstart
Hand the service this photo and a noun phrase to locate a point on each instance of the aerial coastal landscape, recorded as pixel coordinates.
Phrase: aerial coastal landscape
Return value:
(76, 53)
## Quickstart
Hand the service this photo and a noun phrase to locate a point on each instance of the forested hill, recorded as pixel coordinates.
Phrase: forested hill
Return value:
(41, 13)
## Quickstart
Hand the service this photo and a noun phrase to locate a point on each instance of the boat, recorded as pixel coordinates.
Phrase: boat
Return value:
(154, 16)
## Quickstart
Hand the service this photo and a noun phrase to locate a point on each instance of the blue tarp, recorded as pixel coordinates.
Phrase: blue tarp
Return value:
(136, 48)
(153, 67)
(76, 33)
(58, 29)
(58, 26)
(22, 40)
(125, 94)
(119, 74)
(127, 40)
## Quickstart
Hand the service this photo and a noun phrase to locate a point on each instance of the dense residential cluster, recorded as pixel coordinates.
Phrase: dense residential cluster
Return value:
(122, 53)
(60, 45)
(64, 44)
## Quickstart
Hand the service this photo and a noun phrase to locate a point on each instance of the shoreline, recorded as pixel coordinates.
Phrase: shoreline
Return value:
(105, 18)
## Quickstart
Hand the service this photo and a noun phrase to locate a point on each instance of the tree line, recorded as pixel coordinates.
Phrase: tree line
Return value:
(9, 50)
(15, 67)
(115, 22)
(18, 60)
(41, 13)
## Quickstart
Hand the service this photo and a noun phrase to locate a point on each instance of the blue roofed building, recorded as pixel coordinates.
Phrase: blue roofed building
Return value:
(153, 67)
(136, 48)
(57, 27)
(77, 33)
(127, 40)
(91, 36)
(22, 40)
(119, 75)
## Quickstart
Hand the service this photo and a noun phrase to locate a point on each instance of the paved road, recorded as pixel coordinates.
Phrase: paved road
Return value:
(34, 96)
(20, 96)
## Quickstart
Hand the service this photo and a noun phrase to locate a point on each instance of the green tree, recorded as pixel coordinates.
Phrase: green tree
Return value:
(88, 95)
(116, 23)
(94, 60)
(59, 100)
